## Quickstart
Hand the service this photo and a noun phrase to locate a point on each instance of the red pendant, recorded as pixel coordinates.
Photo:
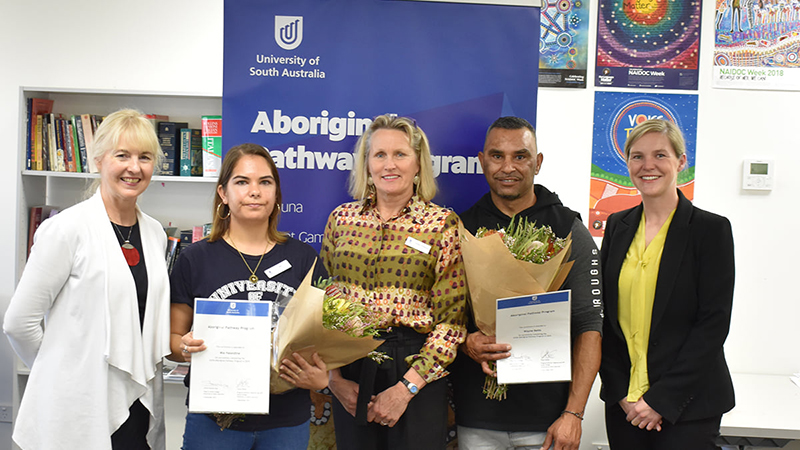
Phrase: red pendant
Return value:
(131, 254)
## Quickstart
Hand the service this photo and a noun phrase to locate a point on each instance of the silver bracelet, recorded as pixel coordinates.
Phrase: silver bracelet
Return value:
(578, 415)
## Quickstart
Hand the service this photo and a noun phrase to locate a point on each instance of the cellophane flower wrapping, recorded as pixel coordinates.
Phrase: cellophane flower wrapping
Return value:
(521, 259)
(301, 328)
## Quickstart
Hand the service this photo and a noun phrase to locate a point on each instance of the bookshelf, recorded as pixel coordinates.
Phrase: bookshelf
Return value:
(172, 200)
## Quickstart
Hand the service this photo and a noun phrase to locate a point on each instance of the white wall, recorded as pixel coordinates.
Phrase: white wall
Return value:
(146, 45)
(177, 46)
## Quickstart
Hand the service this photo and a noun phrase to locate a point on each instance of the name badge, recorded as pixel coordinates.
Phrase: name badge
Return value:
(418, 245)
(281, 267)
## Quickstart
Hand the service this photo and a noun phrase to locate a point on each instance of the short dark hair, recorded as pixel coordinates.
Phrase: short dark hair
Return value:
(511, 123)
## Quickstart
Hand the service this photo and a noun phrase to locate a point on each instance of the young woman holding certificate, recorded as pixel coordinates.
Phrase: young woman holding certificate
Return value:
(246, 257)
(97, 276)
(668, 273)
(398, 254)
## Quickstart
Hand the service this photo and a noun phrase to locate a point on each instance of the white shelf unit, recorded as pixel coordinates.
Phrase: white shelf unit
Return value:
(174, 201)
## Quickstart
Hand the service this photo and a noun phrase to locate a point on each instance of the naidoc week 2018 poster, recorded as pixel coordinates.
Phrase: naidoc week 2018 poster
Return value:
(648, 44)
(615, 115)
(563, 43)
(757, 44)
(304, 78)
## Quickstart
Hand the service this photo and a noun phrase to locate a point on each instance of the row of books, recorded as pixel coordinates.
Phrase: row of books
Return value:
(60, 144)
(57, 143)
(178, 239)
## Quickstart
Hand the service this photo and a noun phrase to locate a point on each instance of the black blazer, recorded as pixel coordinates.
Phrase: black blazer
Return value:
(689, 378)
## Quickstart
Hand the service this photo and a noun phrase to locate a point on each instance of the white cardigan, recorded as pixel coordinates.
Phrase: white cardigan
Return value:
(91, 361)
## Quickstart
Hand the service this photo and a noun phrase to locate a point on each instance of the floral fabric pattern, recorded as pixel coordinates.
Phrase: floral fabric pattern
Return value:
(385, 266)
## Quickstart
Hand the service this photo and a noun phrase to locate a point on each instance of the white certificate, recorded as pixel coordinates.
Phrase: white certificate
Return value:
(538, 329)
(232, 374)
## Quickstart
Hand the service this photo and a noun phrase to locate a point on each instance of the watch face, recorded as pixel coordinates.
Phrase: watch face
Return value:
(411, 386)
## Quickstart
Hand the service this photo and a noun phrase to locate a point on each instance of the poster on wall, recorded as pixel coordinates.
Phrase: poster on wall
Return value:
(615, 115)
(563, 43)
(651, 44)
(757, 44)
(305, 78)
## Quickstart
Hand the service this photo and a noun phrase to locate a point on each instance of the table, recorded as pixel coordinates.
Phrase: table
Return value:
(767, 411)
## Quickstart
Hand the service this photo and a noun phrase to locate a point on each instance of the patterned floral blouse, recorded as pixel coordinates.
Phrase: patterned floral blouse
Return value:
(389, 268)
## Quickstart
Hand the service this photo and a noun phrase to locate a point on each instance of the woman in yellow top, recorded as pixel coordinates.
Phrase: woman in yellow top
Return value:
(668, 279)
(399, 254)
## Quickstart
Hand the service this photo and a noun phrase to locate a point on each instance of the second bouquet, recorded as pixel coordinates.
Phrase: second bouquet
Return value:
(319, 319)
(518, 260)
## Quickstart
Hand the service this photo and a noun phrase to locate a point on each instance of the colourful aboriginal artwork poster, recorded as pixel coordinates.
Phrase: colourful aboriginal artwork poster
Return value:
(648, 44)
(757, 44)
(615, 115)
(564, 43)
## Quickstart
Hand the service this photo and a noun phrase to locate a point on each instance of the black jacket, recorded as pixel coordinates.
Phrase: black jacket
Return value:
(689, 378)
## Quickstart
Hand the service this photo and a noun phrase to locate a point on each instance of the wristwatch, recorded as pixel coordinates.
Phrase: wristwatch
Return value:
(411, 386)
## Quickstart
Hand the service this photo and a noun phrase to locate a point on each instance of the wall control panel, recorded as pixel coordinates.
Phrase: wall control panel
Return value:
(758, 174)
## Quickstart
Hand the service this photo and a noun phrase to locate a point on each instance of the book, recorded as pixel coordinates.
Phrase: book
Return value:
(186, 238)
(191, 152)
(29, 130)
(73, 146)
(46, 142)
(61, 139)
(169, 138)
(88, 136)
(38, 214)
(154, 119)
(212, 145)
(38, 163)
(36, 107)
(197, 233)
(56, 157)
(77, 127)
(66, 145)
(96, 120)
(186, 152)
(173, 246)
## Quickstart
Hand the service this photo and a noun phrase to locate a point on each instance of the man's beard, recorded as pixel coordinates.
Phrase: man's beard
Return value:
(509, 196)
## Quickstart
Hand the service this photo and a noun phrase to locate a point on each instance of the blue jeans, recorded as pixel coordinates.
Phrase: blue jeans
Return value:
(202, 433)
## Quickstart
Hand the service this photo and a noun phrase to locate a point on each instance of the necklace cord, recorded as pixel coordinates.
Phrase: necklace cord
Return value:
(253, 277)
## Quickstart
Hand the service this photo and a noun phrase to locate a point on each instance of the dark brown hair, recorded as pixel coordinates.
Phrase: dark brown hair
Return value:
(221, 226)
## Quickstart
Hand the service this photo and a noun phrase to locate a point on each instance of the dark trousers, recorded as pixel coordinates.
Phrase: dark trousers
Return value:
(684, 435)
(132, 435)
(424, 423)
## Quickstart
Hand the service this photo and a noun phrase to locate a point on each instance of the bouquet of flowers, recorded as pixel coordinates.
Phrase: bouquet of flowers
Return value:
(318, 319)
(518, 260)
(322, 320)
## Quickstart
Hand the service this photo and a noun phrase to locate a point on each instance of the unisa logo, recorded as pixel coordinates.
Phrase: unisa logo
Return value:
(288, 31)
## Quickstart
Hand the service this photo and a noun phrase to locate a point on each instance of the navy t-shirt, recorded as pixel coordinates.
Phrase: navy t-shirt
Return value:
(216, 270)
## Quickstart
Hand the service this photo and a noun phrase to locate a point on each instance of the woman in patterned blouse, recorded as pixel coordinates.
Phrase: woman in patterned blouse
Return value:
(399, 254)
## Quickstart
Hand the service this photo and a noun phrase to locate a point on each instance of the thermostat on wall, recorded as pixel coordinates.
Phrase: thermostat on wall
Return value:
(758, 174)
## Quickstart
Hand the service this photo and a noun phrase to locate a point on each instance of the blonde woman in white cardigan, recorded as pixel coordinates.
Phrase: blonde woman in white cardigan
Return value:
(96, 275)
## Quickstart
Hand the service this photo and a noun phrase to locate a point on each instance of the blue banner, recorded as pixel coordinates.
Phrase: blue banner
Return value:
(231, 308)
(538, 299)
(304, 78)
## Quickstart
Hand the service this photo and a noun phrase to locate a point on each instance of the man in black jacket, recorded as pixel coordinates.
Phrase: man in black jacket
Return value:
(536, 414)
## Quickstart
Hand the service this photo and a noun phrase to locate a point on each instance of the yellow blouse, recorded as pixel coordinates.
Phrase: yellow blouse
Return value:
(637, 289)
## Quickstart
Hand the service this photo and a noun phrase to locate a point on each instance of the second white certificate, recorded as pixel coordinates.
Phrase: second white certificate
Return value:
(232, 374)
(538, 329)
